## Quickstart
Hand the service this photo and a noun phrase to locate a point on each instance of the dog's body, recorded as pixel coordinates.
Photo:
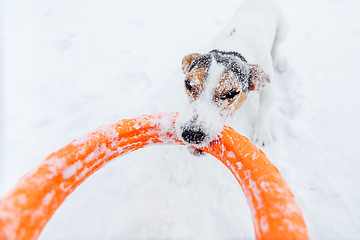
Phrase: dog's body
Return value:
(242, 59)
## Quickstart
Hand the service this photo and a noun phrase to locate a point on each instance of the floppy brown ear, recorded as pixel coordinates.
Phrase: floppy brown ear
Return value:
(258, 78)
(187, 61)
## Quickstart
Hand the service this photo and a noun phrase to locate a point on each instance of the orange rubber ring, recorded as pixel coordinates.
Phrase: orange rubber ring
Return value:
(26, 209)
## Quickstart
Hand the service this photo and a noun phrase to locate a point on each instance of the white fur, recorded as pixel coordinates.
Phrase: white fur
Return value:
(255, 31)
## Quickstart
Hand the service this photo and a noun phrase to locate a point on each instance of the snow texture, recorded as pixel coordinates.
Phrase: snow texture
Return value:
(71, 66)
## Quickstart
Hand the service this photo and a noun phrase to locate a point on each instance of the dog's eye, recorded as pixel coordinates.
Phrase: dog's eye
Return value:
(229, 95)
(188, 85)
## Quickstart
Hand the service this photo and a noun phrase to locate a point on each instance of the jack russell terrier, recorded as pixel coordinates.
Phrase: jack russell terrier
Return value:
(242, 60)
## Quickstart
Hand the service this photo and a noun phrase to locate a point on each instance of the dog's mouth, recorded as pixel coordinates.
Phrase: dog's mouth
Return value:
(199, 124)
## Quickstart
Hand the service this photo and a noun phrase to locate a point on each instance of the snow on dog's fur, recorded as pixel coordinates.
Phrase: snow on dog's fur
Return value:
(242, 60)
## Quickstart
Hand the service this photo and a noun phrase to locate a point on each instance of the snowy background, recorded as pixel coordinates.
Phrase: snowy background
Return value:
(71, 66)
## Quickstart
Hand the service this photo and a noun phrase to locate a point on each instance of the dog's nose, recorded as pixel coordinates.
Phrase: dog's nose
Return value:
(193, 136)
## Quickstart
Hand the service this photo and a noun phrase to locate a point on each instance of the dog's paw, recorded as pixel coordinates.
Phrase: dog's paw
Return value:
(195, 151)
(280, 64)
(262, 136)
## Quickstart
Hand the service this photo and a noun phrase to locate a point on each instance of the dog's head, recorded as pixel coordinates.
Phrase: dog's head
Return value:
(217, 84)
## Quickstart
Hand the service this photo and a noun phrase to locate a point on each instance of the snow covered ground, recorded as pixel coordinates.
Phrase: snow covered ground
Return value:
(71, 66)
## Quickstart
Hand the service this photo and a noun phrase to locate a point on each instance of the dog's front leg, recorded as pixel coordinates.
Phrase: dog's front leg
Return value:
(261, 133)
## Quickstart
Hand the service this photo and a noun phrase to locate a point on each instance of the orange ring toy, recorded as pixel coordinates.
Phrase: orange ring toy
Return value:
(26, 209)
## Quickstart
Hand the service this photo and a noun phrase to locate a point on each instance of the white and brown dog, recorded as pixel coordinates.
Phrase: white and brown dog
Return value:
(242, 60)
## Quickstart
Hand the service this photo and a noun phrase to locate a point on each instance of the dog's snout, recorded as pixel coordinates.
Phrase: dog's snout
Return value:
(194, 119)
(193, 136)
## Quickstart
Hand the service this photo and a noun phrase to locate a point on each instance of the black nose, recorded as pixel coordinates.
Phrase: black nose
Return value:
(193, 136)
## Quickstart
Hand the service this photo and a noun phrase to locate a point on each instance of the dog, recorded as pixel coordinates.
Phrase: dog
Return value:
(242, 59)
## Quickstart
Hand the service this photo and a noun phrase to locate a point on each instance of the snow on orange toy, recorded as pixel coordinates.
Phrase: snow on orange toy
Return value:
(25, 210)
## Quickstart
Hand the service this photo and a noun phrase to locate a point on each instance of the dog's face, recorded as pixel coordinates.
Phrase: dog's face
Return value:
(217, 84)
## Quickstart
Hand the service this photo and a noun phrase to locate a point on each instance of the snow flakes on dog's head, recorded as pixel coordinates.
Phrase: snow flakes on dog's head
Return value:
(222, 78)
(217, 84)
(236, 73)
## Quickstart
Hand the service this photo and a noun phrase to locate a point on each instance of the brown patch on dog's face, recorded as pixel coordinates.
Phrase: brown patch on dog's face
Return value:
(195, 67)
(229, 95)
(194, 83)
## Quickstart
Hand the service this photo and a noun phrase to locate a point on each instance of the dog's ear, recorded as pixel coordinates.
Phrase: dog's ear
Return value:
(258, 78)
(187, 61)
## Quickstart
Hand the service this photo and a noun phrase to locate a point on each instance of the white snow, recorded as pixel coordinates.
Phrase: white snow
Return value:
(46, 200)
(70, 171)
(72, 66)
